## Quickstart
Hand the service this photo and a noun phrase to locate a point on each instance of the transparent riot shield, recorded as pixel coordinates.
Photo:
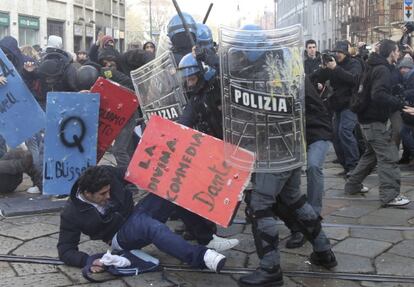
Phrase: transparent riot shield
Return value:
(159, 89)
(164, 43)
(262, 79)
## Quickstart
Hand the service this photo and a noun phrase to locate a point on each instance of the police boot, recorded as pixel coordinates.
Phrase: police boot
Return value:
(263, 277)
(325, 258)
(296, 240)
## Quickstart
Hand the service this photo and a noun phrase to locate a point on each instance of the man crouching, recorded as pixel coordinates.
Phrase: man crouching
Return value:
(101, 207)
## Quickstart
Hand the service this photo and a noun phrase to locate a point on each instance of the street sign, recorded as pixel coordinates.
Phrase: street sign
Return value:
(70, 140)
(188, 168)
(408, 10)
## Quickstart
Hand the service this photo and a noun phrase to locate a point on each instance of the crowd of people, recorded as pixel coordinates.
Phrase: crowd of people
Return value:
(356, 99)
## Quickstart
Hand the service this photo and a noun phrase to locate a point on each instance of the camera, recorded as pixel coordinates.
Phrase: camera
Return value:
(406, 38)
(328, 56)
(409, 26)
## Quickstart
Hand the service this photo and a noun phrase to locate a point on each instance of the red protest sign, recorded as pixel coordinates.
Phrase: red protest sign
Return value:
(117, 106)
(188, 168)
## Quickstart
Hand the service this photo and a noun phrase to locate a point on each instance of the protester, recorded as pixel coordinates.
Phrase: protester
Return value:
(101, 207)
(12, 166)
(406, 70)
(312, 57)
(149, 47)
(318, 141)
(343, 72)
(373, 120)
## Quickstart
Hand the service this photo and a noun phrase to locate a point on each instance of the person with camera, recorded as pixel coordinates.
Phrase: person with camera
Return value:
(406, 92)
(343, 72)
(380, 149)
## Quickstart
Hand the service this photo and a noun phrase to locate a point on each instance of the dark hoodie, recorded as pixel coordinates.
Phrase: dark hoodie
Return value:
(80, 217)
(382, 102)
(318, 120)
(311, 65)
(10, 47)
(343, 79)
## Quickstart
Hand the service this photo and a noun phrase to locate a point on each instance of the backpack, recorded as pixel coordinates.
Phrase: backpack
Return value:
(141, 262)
(361, 97)
(53, 66)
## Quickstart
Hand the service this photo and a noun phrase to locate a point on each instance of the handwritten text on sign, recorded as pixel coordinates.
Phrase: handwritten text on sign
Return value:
(70, 140)
(20, 114)
(118, 104)
(188, 168)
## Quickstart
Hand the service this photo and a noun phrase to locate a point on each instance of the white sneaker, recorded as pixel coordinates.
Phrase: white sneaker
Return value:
(220, 244)
(398, 201)
(33, 190)
(214, 260)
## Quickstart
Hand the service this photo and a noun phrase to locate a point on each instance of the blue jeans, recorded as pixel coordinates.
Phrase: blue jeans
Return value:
(146, 225)
(345, 143)
(407, 136)
(316, 157)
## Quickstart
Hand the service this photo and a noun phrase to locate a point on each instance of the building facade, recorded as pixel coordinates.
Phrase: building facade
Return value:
(78, 22)
(328, 21)
(316, 17)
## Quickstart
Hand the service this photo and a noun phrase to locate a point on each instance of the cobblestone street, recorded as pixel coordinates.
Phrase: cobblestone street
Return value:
(366, 238)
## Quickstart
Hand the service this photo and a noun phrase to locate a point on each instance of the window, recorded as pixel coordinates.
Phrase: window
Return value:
(4, 24)
(28, 37)
(28, 30)
(56, 28)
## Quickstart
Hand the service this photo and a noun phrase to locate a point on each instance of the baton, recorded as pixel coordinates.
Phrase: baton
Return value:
(180, 14)
(187, 31)
(208, 13)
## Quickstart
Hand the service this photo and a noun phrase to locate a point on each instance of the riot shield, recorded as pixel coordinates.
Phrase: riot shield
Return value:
(164, 43)
(262, 79)
(159, 89)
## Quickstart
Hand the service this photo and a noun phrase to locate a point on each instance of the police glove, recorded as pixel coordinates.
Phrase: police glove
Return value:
(200, 54)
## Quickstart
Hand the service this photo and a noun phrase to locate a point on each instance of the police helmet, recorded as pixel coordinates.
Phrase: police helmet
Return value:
(204, 36)
(176, 26)
(85, 77)
(190, 67)
(252, 33)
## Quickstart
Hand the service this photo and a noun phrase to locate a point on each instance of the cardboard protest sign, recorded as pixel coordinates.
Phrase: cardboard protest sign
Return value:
(70, 140)
(20, 114)
(117, 106)
(188, 168)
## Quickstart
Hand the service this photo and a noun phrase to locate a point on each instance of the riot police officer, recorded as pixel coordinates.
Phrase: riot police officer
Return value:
(181, 43)
(202, 111)
(256, 69)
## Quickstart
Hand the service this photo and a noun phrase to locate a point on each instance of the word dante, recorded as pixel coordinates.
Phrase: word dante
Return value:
(215, 187)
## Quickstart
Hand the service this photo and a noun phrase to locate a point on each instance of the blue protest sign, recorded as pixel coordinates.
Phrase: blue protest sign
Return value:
(70, 140)
(20, 114)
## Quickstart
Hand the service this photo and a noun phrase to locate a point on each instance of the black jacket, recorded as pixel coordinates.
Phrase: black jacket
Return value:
(318, 120)
(10, 47)
(133, 59)
(311, 65)
(202, 113)
(80, 217)
(343, 80)
(382, 102)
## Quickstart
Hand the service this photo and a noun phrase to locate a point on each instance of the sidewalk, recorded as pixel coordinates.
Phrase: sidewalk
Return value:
(367, 239)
